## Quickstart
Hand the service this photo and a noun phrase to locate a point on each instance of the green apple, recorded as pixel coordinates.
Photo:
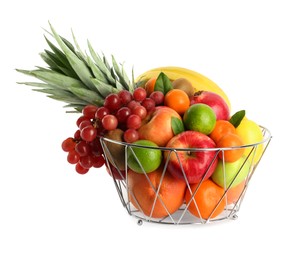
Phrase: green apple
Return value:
(200, 117)
(224, 174)
(142, 159)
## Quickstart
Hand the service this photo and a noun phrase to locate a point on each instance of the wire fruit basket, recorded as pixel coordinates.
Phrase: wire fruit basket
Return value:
(160, 198)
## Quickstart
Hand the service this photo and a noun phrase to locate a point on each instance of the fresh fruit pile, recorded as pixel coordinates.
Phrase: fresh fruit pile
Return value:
(168, 135)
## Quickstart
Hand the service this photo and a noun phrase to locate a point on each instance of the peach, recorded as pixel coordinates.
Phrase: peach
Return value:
(157, 127)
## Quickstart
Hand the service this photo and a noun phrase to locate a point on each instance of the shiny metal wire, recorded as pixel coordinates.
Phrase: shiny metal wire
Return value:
(182, 216)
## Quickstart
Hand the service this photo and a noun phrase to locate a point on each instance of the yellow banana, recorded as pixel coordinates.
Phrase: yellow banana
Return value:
(199, 81)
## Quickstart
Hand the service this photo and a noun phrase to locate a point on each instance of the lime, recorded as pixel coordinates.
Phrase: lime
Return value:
(200, 117)
(143, 159)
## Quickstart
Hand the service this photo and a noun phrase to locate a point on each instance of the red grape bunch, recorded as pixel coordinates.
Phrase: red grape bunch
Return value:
(123, 110)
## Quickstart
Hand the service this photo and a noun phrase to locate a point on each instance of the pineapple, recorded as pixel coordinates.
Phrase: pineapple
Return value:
(77, 78)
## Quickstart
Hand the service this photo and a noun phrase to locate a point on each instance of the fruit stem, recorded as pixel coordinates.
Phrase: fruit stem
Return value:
(198, 93)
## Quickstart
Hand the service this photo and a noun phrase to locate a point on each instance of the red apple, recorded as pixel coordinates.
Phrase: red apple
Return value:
(215, 101)
(194, 164)
(157, 125)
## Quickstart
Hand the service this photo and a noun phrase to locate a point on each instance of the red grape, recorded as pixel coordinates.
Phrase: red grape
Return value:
(68, 144)
(81, 170)
(77, 135)
(158, 97)
(80, 119)
(96, 148)
(125, 96)
(84, 123)
(131, 135)
(101, 112)
(140, 111)
(123, 113)
(112, 102)
(133, 121)
(88, 133)
(83, 148)
(89, 111)
(139, 94)
(110, 122)
(73, 157)
(133, 104)
(98, 161)
(149, 104)
(86, 161)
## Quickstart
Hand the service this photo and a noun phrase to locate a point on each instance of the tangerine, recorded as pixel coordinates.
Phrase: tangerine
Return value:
(231, 141)
(207, 201)
(234, 193)
(150, 86)
(222, 128)
(143, 190)
(178, 100)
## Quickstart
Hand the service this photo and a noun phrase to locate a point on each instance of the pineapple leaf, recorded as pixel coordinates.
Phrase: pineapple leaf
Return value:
(103, 88)
(68, 44)
(37, 85)
(78, 65)
(51, 56)
(54, 78)
(48, 60)
(90, 96)
(77, 107)
(119, 86)
(59, 93)
(101, 65)
(76, 77)
(106, 62)
(61, 56)
(83, 57)
(96, 71)
(122, 78)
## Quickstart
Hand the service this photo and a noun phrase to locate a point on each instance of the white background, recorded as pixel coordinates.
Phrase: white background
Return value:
(47, 211)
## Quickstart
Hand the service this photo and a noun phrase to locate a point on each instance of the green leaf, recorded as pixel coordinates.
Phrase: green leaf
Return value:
(38, 85)
(101, 65)
(77, 64)
(63, 59)
(53, 78)
(163, 83)
(56, 65)
(90, 96)
(103, 88)
(123, 79)
(49, 61)
(177, 125)
(237, 117)
(96, 71)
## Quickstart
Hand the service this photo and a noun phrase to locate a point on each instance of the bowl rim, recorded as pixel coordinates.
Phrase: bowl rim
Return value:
(266, 138)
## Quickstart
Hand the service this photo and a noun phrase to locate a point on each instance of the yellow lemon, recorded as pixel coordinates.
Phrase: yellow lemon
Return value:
(251, 133)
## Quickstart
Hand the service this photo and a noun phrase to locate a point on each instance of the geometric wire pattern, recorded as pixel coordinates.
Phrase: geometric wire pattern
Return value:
(182, 215)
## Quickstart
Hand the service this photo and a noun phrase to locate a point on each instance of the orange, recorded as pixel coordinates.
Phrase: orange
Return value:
(142, 193)
(222, 128)
(178, 100)
(234, 193)
(230, 140)
(206, 199)
(150, 85)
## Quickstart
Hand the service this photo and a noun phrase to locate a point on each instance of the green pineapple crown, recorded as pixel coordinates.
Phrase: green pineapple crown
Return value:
(77, 78)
